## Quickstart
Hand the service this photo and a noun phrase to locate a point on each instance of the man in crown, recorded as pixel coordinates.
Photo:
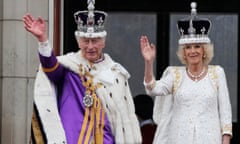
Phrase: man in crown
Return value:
(81, 97)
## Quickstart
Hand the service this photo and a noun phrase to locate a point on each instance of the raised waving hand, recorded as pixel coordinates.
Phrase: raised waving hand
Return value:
(36, 26)
(148, 50)
(149, 53)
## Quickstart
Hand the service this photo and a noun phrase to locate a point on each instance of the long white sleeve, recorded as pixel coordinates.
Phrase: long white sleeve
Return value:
(44, 48)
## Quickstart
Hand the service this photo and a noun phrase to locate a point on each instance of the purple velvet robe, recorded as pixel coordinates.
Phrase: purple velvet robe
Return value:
(70, 93)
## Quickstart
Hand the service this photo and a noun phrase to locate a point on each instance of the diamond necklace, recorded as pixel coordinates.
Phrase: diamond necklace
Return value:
(196, 77)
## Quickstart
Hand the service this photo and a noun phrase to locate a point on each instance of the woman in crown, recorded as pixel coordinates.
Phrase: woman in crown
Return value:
(193, 100)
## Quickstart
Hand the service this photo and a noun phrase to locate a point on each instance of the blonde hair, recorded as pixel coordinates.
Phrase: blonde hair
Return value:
(208, 53)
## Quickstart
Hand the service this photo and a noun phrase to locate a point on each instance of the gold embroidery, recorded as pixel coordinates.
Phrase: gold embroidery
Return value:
(213, 75)
(176, 79)
(227, 128)
(151, 86)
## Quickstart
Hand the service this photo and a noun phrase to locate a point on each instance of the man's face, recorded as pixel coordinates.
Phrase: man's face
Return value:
(91, 47)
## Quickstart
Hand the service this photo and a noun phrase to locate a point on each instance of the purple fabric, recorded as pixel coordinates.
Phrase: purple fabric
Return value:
(48, 62)
(70, 101)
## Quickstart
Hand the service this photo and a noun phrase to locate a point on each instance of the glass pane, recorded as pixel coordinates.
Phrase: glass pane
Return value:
(123, 35)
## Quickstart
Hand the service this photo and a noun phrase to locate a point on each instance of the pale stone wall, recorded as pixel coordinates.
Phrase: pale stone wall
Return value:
(18, 65)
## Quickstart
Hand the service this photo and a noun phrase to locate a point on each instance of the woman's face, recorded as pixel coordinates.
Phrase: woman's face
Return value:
(91, 48)
(193, 53)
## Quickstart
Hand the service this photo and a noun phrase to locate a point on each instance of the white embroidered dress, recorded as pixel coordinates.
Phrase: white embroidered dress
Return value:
(200, 111)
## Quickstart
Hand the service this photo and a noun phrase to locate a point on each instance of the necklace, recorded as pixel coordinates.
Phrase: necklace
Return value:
(196, 77)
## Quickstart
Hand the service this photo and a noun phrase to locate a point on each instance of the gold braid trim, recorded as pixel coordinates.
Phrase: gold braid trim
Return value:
(90, 128)
(96, 112)
(51, 69)
(99, 127)
(84, 125)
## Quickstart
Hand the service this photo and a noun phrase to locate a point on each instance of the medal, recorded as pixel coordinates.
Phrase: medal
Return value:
(88, 100)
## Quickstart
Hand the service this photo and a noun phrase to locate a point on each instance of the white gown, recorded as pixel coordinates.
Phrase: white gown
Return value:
(201, 114)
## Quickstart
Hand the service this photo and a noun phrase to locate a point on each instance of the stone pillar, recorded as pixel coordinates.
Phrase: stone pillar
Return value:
(18, 65)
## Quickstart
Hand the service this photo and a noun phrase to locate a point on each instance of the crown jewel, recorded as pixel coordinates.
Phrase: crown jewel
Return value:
(195, 29)
(90, 23)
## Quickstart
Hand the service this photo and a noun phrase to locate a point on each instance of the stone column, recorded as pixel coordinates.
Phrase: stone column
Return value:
(18, 65)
